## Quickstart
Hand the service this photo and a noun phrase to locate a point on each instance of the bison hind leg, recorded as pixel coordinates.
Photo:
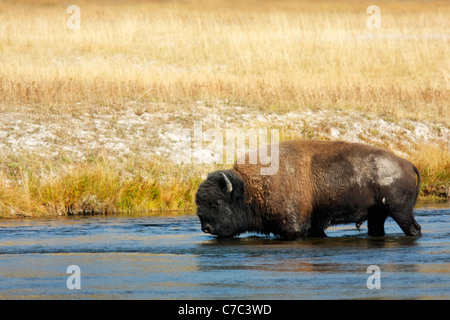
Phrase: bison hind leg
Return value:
(405, 220)
(376, 217)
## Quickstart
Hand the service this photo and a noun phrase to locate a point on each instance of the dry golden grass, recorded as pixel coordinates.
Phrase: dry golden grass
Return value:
(280, 56)
(98, 186)
(273, 56)
(434, 166)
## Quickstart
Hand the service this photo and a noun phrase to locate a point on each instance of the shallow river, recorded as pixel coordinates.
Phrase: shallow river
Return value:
(142, 257)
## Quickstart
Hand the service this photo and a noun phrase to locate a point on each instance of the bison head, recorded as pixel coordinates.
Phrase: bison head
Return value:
(219, 204)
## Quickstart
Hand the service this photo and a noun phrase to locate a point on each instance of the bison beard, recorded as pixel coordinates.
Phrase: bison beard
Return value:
(318, 184)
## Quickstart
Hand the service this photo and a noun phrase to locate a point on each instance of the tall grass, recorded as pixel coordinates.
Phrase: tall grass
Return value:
(98, 186)
(279, 56)
(434, 166)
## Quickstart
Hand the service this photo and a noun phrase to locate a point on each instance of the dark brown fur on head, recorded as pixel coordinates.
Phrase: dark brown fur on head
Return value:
(220, 205)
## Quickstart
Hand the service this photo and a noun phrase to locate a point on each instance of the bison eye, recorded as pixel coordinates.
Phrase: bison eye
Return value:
(218, 203)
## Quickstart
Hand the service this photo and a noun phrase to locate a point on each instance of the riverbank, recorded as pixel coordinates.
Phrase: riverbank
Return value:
(130, 161)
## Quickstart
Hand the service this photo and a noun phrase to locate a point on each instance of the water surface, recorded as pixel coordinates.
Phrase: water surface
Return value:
(170, 258)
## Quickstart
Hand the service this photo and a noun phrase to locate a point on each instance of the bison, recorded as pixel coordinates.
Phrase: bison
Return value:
(318, 184)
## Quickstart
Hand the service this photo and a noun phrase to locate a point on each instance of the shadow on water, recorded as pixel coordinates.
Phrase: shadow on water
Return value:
(362, 241)
(316, 254)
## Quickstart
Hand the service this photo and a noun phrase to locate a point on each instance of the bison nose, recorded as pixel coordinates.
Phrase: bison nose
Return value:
(207, 228)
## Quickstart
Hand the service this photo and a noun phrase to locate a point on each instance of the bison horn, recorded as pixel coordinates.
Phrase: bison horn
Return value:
(229, 185)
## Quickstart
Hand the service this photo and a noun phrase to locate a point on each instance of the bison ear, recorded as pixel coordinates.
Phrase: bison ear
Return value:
(228, 184)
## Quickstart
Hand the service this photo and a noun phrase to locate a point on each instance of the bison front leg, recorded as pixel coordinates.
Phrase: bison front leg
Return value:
(316, 233)
(316, 228)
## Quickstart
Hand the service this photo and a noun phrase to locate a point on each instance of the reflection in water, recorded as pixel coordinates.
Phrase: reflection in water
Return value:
(170, 258)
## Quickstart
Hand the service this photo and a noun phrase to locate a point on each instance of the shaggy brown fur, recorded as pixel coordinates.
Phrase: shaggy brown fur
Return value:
(317, 184)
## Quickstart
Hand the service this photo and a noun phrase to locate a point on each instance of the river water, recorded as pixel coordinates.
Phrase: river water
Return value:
(141, 257)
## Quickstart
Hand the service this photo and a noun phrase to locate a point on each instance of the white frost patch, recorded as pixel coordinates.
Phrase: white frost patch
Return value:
(334, 133)
(169, 134)
(388, 171)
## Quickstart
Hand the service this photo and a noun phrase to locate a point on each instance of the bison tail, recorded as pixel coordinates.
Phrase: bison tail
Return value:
(418, 182)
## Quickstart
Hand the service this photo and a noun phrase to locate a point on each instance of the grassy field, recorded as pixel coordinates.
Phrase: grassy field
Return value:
(164, 56)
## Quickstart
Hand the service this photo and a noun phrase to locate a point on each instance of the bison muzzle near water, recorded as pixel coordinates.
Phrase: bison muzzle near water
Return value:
(318, 184)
